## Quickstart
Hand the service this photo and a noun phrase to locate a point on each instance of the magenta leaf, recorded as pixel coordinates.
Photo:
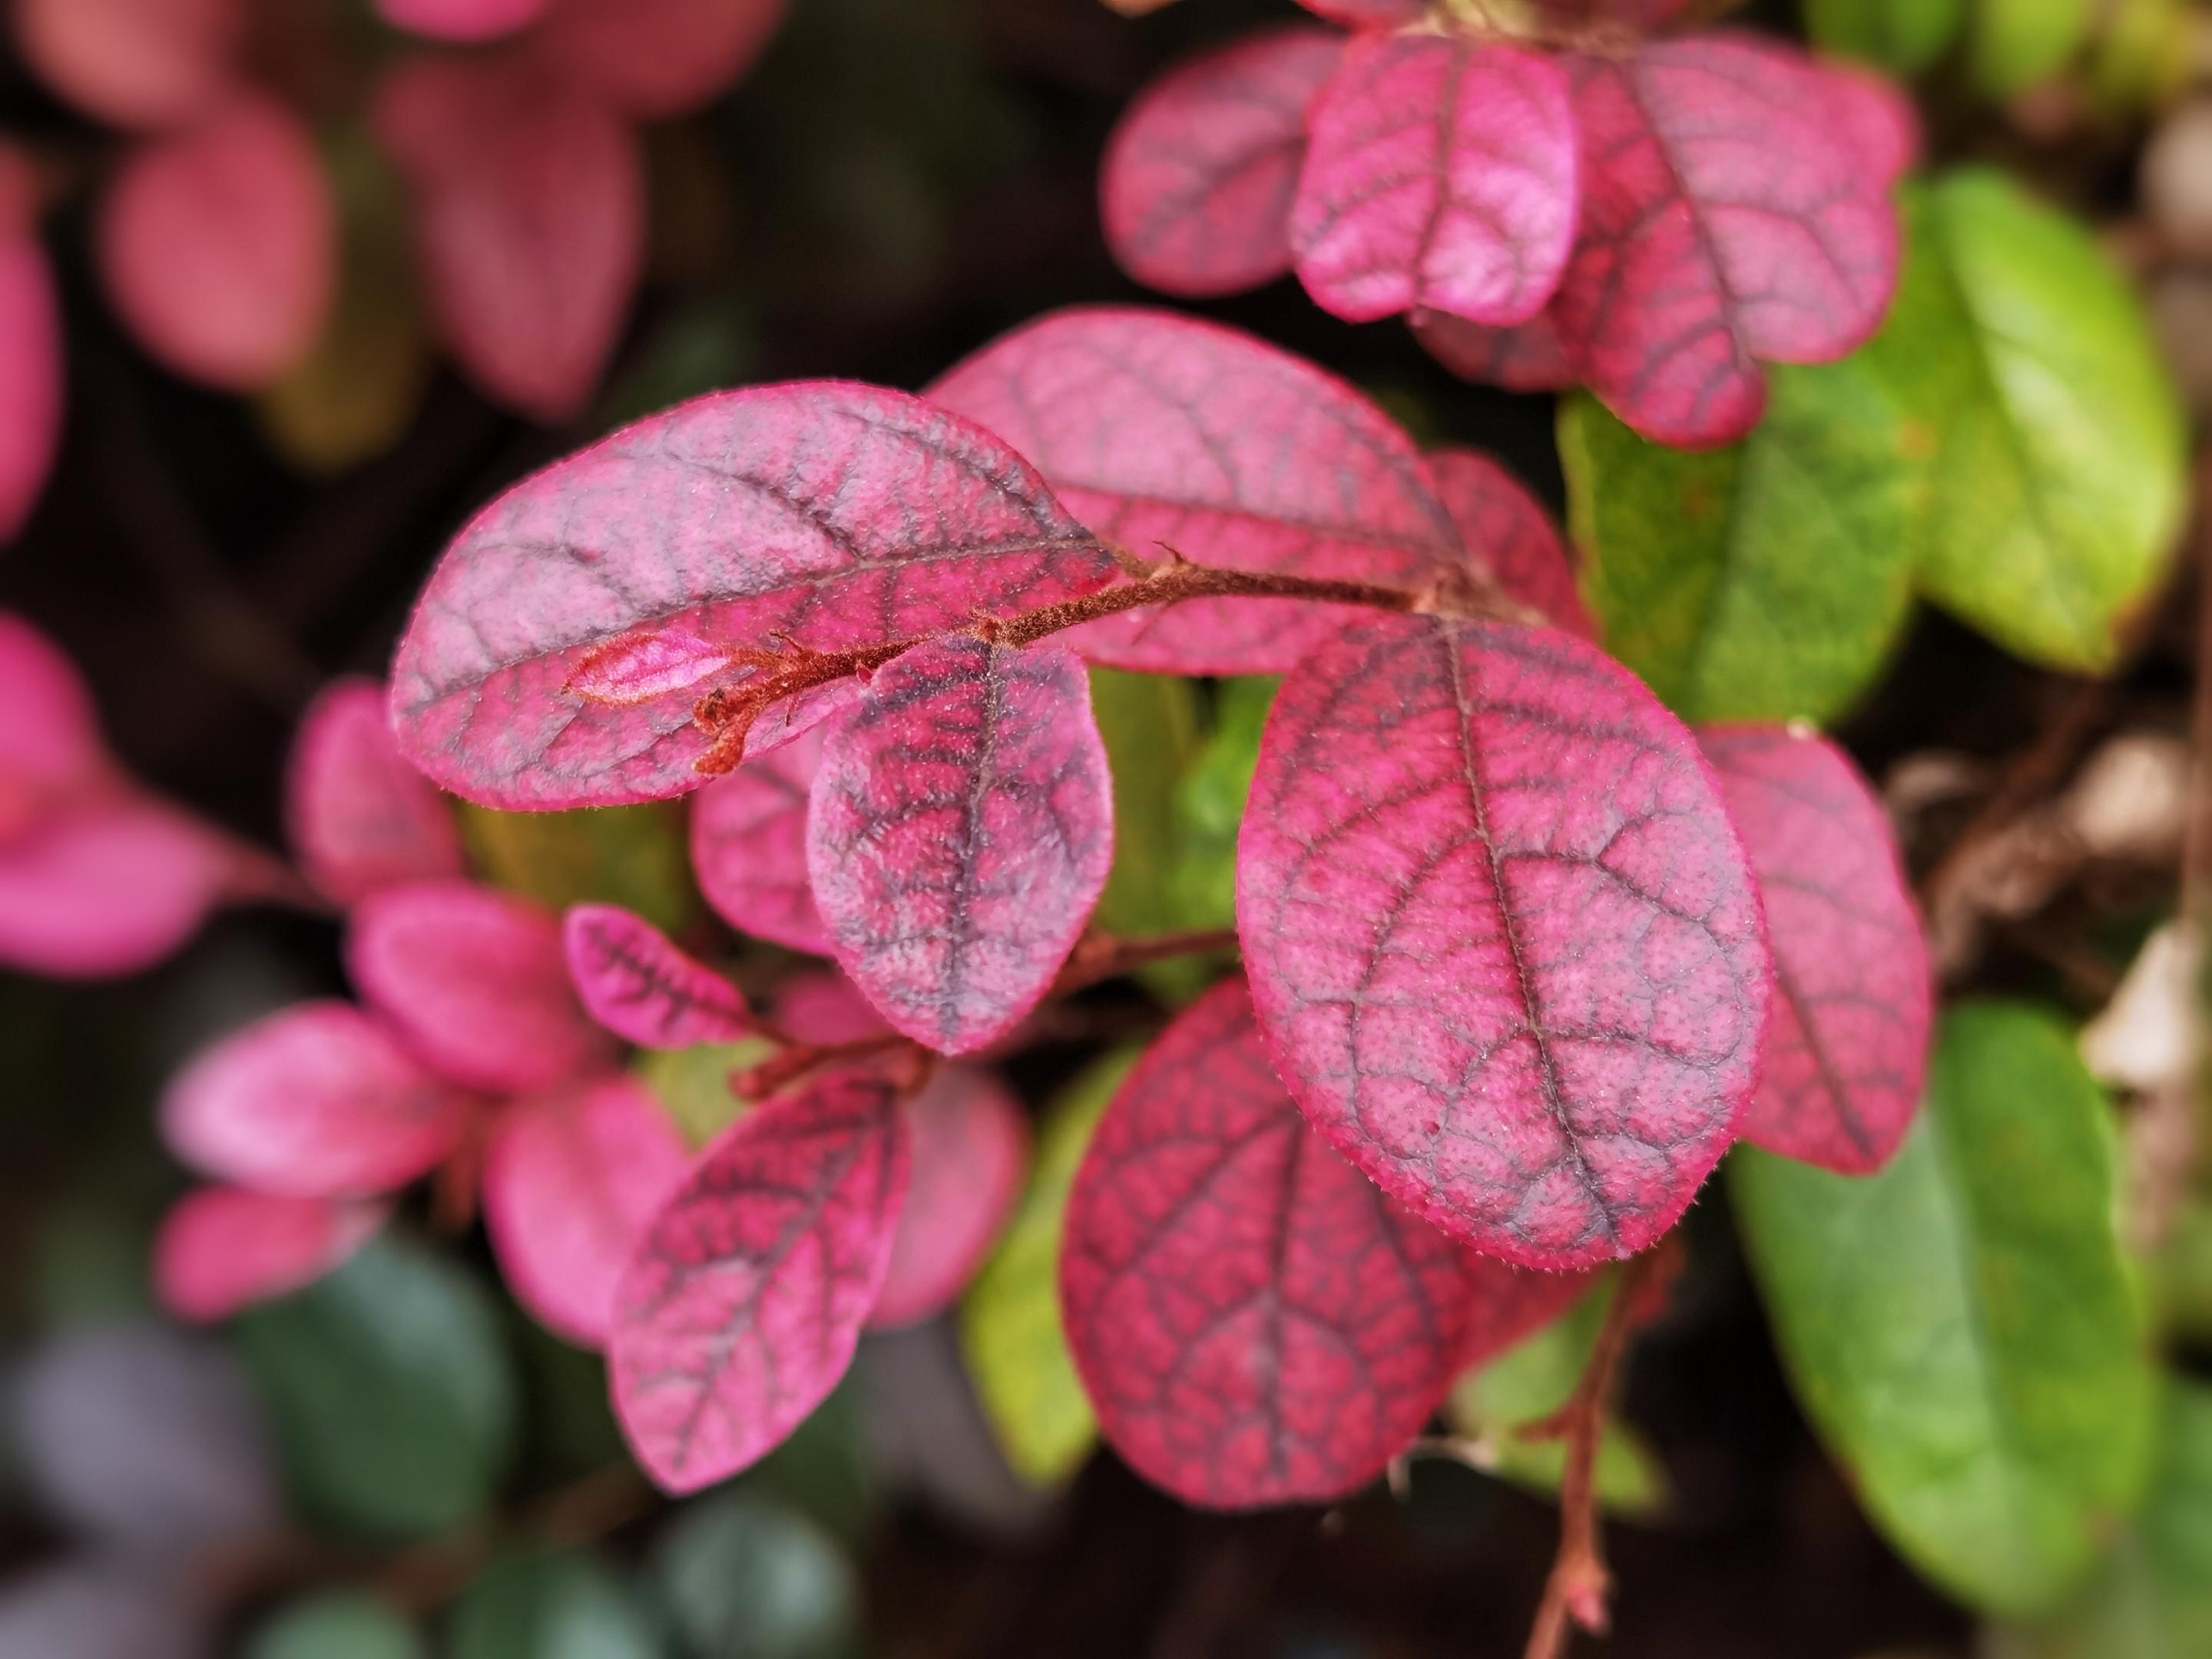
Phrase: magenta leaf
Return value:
(1366, 13)
(640, 667)
(1507, 531)
(1847, 1031)
(461, 20)
(745, 1298)
(1442, 174)
(1509, 1302)
(654, 58)
(1196, 188)
(50, 744)
(360, 815)
(638, 985)
(146, 64)
(1737, 207)
(30, 373)
(835, 514)
(823, 1007)
(314, 1101)
(474, 982)
(571, 1180)
(748, 845)
(968, 1155)
(1157, 428)
(959, 833)
(1528, 358)
(222, 1248)
(1254, 1320)
(1502, 937)
(106, 885)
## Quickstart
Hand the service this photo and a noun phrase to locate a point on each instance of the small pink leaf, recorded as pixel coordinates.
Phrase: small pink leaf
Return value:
(1847, 1031)
(1528, 358)
(1508, 1304)
(1507, 531)
(30, 376)
(134, 62)
(744, 1301)
(1366, 13)
(1254, 1322)
(219, 245)
(822, 1006)
(360, 815)
(461, 20)
(1503, 939)
(959, 833)
(640, 667)
(222, 1248)
(1157, 428)
(638, 985)
(529, 220)
(571, 1181)
(1742, 211)
(315, 1100)
(50, 743)
(1196, 188)
(654, 58)
(836, 514)
(1443, 174)
(748, 845)
(106, 887)
(476, 982)
(969, 1155)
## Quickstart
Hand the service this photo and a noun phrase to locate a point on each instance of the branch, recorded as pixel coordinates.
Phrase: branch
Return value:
(1102, 955)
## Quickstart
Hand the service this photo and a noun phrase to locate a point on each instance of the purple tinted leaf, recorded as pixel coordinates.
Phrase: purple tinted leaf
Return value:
(1159, 429)
(1528, 358)
(360, 815)
(832, 514)
(1442, 174)
(1196, 188)
(969, 1147)
(1503, 939)
(748, 845)
(1507, 531)
(959, 833)
(744, 1301)
(222, 1248)
(825, 1007)
(638, 985)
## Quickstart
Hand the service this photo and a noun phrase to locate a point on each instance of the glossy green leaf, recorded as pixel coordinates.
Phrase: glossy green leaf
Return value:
(637, 857)
(694, 1084)
(1901, 36)
(1959, 1328)
(744, 1578)
(392, 1396)
(2017, 43)
(1765, 581)
(566, 1606)
(340, 1625)
(1010, 1328)
(1210, 804)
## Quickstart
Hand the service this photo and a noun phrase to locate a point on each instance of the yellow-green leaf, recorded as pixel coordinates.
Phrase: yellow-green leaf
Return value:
(634, 856)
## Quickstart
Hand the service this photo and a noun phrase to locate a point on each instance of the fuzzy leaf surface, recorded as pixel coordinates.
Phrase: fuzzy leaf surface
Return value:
(837, 514)
(1528, 358)
(361, 817)
(744, 1301)
(969, 1155)
(222, 1248)
(1158, 429)
(1847, 1030)
(31, 376)
(960, 831)
(1508, 533)
(634, 981)
(654, 58)
(748, 845)
(1195, 191)
(1443, 175)
(141, 64)
(571, 1180)
(1254, 1320)
(1502, 940)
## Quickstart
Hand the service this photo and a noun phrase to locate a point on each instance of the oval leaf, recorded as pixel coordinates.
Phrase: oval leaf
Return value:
(1254, 1322)
(461, 20)
(969, 1153)
(361, 817)
(1366, 13)
(30, 376)
(1528, 358)
(1847, 1031)
(50, 744)
(1507, 531)
(1161, 429)
(791, 509)
(1502, 939)
(106, 887)
(654, 58)
(1196, 188)
(222, 1248)
(1442, 174)
(637, 984)
(822, 1006)
(146, 64)
(746, 1299)
(748, 845)
(959, 833)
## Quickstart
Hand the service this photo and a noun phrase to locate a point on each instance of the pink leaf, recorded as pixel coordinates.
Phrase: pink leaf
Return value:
(529, 221)
(834, 514)
(1528, 358)
(219, 245)
(222, 1248)
(969, 1154)
(134, 62)
(823, 1007)
(748, 845)
(654, 58)
(315, 1100)
(1254, 1322)
(638, 985)
(744, 1301)
(1847, 1031)
(50, 742)
(1506, 529)
(30, 376)
(360, 815)
(641, 667)
(1508, 1304)
(461, 20)
(106, 887)
(1157, 428)
(959, 834)
(571, 1181)
(1502, 937)
(1196, 188)
(1443, 175)
(1740, 211)
(476, 982)
(1366, 13)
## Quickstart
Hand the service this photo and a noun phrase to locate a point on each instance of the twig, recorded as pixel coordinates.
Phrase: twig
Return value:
(1103, 956)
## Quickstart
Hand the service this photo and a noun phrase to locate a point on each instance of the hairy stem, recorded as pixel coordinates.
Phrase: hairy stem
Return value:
(1102, 955)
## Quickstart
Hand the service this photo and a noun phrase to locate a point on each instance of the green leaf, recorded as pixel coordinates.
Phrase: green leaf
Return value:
(694, 1084)
(550, 1607)
(337, 1625)
(2181, 1274)
(1010, 1330)
(1210, 804)
(744, 1578)
(1901, 36)
(393, 1401)
(1959, 1327)
(638, 857)
(2026, 373)
(1150, 725)
(1765, 581)
(2017, 43)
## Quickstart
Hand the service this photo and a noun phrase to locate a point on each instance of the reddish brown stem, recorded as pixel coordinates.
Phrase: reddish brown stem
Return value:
(1102, 955)
(804, 1059)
